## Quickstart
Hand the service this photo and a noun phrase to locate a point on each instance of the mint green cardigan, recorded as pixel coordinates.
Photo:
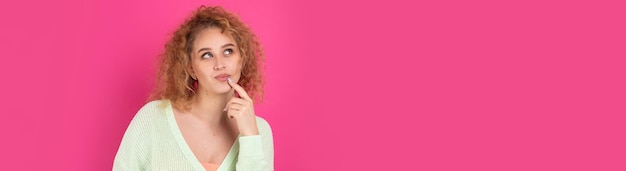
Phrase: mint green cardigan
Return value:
(153, 141)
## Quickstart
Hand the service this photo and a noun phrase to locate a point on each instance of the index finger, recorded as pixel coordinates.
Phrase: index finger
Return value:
(239, 90)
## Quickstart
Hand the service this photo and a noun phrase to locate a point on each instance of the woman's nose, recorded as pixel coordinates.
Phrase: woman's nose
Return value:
(219, 64)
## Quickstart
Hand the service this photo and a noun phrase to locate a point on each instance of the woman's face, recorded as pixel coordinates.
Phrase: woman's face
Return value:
(214, 58)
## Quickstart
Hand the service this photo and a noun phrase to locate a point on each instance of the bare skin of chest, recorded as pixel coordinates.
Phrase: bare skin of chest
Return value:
(209, 143)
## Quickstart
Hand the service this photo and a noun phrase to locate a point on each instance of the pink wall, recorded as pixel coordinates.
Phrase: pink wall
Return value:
(379, 85)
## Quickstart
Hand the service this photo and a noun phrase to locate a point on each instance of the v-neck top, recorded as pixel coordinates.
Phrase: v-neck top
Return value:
(153, 141)
(180, 140)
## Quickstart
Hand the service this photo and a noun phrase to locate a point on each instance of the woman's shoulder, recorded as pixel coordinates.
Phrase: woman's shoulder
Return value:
(263, 125)
(155, 106)
(153, 110)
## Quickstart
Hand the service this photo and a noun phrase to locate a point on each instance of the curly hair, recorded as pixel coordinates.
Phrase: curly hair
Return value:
(174, 82)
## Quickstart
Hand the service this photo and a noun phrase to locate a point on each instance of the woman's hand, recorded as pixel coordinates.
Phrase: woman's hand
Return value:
(242, 111)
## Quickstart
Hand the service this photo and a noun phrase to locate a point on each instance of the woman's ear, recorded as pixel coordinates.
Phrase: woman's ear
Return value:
(192, 73)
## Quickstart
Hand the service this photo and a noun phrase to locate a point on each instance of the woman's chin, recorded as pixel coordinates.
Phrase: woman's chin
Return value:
(219, 90)
(223, 90)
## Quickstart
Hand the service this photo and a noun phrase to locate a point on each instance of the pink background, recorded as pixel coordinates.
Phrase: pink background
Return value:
(376, 85)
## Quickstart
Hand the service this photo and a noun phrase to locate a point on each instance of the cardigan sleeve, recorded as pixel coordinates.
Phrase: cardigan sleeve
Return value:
(256, 153)
(133, 153)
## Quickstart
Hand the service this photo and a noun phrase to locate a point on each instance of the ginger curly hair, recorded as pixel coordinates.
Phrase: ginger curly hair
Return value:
(174, 82)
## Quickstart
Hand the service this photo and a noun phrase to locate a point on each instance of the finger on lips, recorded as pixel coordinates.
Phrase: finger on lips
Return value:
(242, 93)
(237, 101)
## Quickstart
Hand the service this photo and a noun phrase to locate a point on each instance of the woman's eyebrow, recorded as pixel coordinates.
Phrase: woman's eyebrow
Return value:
(226, 45)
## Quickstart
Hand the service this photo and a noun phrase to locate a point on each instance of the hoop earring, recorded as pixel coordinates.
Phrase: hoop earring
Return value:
(190, 89)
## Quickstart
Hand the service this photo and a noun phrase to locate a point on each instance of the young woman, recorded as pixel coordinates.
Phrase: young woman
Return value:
(202, 115)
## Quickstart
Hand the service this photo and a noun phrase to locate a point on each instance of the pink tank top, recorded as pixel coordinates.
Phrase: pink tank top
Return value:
(210, 166)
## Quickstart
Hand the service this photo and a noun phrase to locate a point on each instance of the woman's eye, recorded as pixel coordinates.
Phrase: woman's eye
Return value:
(228, 52)
(207, 55)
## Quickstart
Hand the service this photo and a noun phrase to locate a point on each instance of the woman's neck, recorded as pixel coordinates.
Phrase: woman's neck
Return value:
(210, 107)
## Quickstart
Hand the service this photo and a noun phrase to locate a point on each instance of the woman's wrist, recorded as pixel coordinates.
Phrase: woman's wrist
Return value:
(249, 131)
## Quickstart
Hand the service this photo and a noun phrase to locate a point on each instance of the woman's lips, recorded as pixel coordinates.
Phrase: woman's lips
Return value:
(222, 77)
